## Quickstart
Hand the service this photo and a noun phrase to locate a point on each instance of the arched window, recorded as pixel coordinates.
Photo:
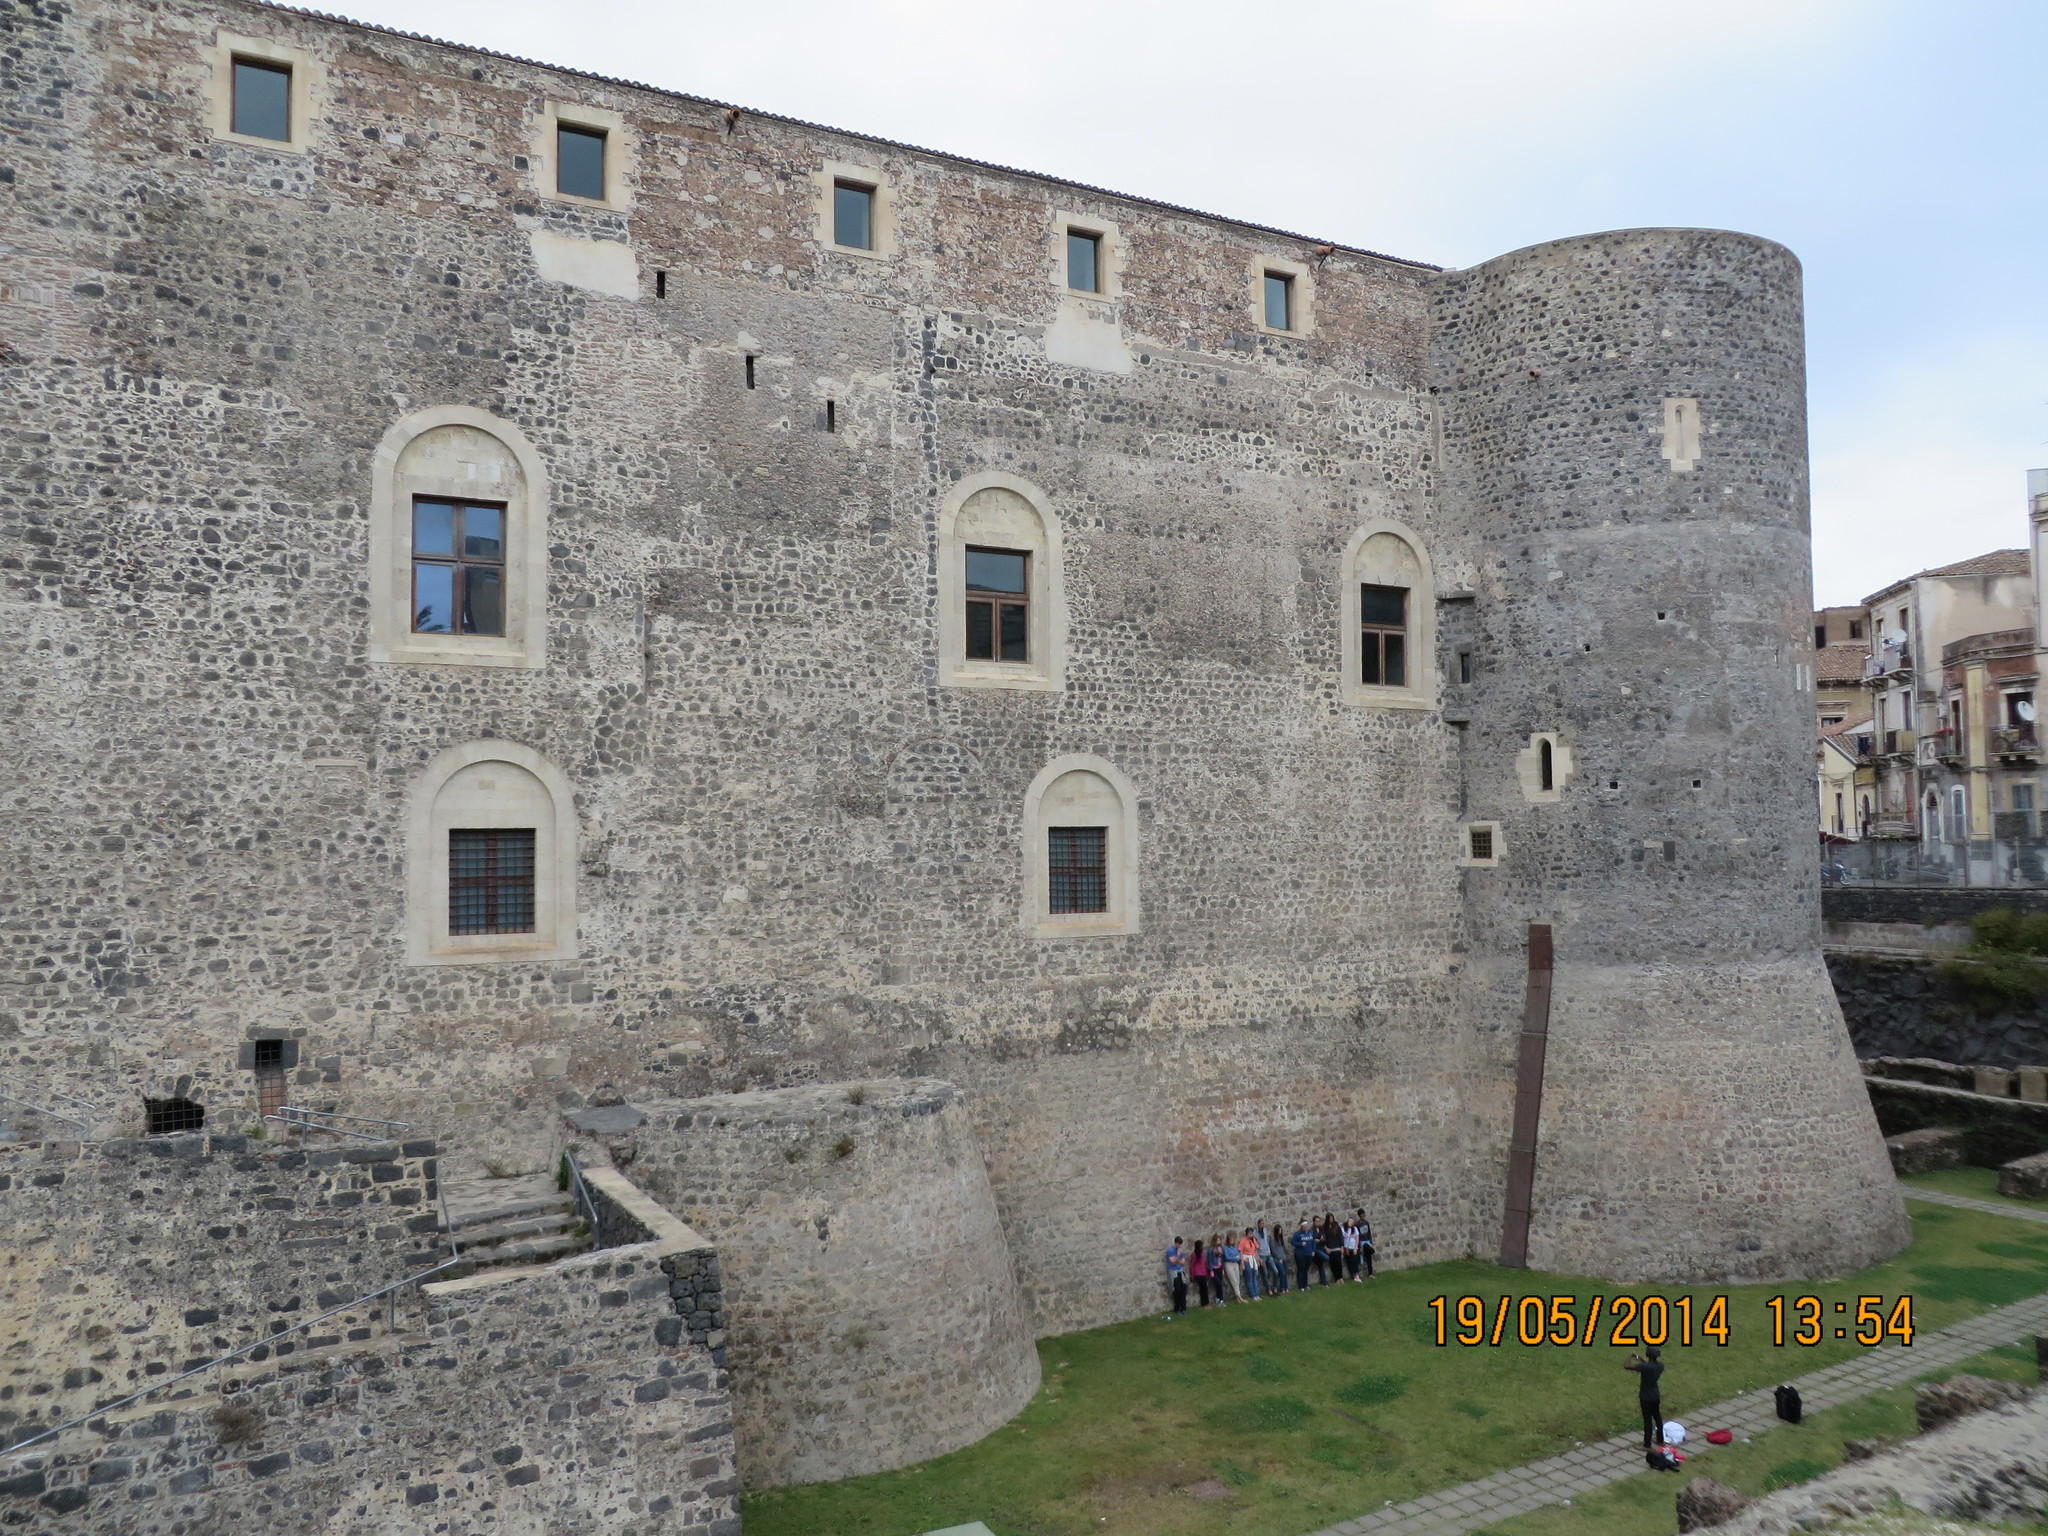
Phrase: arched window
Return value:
(1080, 850)
(1002, 598)
(1387, 614)
(1543, 767)
(490, 859)
(458, 543)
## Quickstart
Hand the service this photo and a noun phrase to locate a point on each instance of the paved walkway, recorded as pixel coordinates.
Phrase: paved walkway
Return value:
(1517, 1490)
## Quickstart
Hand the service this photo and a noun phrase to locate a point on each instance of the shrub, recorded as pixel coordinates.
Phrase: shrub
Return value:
(1999, 980)
(1995, 928)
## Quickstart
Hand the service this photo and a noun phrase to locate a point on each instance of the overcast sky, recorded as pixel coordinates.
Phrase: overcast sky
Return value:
(1895, 145)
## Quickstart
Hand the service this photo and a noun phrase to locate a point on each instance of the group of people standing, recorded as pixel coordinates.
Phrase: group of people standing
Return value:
(1257, 1262)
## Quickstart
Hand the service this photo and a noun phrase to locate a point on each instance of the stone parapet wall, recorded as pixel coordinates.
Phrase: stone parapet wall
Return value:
(1922, 906)
(524, 1402)
(127, 1261)
(1994, 1131)
(875, 1314)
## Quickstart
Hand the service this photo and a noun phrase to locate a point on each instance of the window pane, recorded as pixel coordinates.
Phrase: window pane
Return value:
(853, 216)
(483, 600)
(981, 631)
(483, 533)
(1082, 253)
(1077, 876)
(1383, 605)
(1369, 656)
(579, 162)
(1279, 302)
(1397, 661)
(433, 598)
(997, 570)
(263, 100)
(433, 528)
(1014, 648)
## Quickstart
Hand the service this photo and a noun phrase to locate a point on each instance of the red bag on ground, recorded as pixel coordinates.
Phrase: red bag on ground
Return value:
(1720, 1436)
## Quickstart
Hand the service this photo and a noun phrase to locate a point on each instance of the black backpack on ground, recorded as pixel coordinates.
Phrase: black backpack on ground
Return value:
(1789, 1406)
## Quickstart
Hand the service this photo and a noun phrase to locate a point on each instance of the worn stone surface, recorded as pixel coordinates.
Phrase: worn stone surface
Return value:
(876, 1318)
(1936, 1403)
(2025, 1178)
(1993, 1130)
(793, 845)
(1906, 1008)
(1924, 1150)
(1704, 1502)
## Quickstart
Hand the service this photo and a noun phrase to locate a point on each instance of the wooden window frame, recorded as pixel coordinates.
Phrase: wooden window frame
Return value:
(1373, 638)
(996, 602)
(462, 564)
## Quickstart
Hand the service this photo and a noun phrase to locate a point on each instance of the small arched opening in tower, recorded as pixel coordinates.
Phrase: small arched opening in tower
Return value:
(1546, 771)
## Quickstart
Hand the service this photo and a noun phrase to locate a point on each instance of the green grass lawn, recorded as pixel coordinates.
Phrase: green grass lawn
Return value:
(1307, 1409)
(1978, 1183)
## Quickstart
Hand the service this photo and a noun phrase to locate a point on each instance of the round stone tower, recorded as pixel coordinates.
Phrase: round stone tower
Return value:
(1625, 447)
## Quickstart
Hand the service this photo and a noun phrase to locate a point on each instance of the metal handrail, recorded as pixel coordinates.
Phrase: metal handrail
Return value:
(134, 1397)
(581, 1195)
(84, 1126)
(290, 1115)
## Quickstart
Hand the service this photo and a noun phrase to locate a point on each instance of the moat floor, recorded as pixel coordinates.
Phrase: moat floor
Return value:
(1302, 1412)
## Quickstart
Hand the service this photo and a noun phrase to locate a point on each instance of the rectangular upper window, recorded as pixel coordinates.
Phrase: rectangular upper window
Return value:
(1383, 636)
(998, 605)
(262, 103)
(579, 161)
(1279, 290)
(853, 215)
(1084, 261)
(490, 880)
(458, 568)
(1077, 869)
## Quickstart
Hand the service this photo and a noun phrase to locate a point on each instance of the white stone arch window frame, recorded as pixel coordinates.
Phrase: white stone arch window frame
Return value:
(882, 215)
(392, 640)
(427, 939)
(1466, 858)
(620, 160)
(1529, 767)
(1121, 854)
(1420, 691)
(1301, 304)
(1046, 671)
(1109, 258)
(307, 98)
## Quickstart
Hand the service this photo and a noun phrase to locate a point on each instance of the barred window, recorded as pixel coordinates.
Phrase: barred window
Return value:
(1077, 869)
(1383, 635)
(490, 881)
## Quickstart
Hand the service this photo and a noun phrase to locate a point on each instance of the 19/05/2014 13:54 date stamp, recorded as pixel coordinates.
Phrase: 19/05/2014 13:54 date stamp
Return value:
(1630, 1321)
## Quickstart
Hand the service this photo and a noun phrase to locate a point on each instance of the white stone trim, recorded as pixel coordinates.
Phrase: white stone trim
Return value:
(1046, 671)
(1466, 860)
(1121, 854)
(308, 89)
(1529, 768)
(427, 939)
(392, 641)
(883, 226)
(619, 157)
(1302, 306)
(1109, 256)
(1420, 691)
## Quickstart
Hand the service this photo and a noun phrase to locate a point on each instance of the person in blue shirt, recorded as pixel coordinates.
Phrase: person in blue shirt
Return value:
(1305, 1247)
(1177, 1278)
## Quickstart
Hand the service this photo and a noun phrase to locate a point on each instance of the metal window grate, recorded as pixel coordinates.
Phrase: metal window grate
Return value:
(1479, 842)
(490, 881)
(173, 1117)
(1077, 869)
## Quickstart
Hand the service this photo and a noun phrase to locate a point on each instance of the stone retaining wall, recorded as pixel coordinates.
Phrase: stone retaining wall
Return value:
(126, 1261)
(1903, 1007)
(1994, 1130)
(876, 1316)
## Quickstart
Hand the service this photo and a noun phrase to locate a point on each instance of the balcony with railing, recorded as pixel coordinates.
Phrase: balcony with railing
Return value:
(1900, 744)
(1887, 662)
(1949, 745)
(2018, 742)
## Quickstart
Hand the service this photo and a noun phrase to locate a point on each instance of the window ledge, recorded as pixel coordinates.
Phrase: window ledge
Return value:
(457, 653)
(1091, 926)
(494, 949)
(1020, 677)
(1385, 698)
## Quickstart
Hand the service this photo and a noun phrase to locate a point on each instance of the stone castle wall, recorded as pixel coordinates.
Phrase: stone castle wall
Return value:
(588, 1394)
(130, 1261)
(876, 1316)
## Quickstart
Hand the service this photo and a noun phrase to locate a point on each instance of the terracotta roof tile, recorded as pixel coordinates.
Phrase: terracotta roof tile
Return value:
(1840, 663)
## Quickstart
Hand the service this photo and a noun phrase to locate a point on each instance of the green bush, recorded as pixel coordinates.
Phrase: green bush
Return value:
(2005, 931)
(1996, 980)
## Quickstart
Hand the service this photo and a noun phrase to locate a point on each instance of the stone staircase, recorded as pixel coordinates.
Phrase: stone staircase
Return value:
(499, 1222)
